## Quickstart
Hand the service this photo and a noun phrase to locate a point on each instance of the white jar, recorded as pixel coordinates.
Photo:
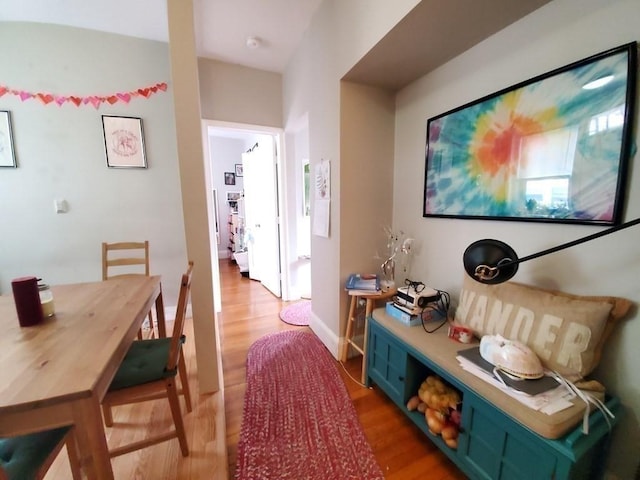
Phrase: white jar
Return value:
(46, 300)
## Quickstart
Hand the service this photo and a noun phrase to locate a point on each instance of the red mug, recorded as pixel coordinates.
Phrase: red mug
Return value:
(27, 299)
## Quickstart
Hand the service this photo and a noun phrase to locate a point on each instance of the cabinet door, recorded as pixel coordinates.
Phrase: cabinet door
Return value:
(387, 363)
(493, 448)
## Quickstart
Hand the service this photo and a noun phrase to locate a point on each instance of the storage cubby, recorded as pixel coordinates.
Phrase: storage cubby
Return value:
(499, 438)
(417, 372)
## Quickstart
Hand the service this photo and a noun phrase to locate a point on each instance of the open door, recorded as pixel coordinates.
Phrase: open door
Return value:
(261, 215)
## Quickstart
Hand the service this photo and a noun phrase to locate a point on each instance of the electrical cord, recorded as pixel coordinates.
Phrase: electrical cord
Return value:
(589, 400)
(416, 286)
(351, 376)
(440, 306)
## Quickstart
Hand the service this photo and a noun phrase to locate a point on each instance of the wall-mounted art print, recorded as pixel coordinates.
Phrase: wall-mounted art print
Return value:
(233, 196)
(232, 200)
(7, 152)
(552, 149)
(124, 142)
(229, 178)
(238, 169)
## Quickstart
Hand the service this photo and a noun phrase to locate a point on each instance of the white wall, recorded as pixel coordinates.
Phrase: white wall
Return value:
(560, 33)
(339, 34)
(196, 205)
(225, 153)
(60, 152)
(233, 93)
(299, 245)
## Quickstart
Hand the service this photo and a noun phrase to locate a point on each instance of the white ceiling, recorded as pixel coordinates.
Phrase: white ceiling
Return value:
(431, 34)
(222, 26)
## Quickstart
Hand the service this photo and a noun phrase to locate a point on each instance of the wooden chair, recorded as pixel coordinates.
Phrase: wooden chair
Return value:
(149, 371)
(28, 457)
(122, 259)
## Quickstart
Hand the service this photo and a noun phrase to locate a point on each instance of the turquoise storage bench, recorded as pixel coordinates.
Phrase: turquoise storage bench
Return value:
(499, 437)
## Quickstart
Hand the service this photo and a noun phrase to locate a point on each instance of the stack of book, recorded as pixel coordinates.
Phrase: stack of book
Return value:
(404, 315)
(363, 284)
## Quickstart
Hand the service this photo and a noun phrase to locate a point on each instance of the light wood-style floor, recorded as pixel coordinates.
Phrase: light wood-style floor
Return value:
(249, 311)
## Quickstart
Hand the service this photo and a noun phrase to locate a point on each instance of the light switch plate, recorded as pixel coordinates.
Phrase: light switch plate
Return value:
(61, 206)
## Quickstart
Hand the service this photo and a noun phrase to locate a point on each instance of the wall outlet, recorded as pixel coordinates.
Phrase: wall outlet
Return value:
(61, 205)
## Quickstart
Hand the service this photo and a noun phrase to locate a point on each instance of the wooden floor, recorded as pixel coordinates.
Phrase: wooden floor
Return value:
(249, 311)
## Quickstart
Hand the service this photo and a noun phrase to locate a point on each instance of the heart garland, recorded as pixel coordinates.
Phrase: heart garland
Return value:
(95, 100)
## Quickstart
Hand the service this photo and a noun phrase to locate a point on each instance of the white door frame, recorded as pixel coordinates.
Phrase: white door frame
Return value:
(278, 134)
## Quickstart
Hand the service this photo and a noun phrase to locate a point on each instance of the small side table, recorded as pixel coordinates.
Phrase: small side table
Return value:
(370, 299)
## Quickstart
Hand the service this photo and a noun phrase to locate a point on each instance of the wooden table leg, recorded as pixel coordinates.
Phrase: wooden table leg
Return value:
(162, 326)
(368, 311)
(92, 443)
(350, 322)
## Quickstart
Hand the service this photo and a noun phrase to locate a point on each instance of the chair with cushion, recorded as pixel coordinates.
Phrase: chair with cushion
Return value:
(28, 457)
(149, 372)
(122, 259)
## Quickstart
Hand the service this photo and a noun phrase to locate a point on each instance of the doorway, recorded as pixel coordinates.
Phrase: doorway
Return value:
(224, 146)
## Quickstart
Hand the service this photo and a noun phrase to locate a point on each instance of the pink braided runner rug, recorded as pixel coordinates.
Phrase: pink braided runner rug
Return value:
(298, 421)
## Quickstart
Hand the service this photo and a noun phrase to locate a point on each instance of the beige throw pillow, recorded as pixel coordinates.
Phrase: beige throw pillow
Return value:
(566, 331)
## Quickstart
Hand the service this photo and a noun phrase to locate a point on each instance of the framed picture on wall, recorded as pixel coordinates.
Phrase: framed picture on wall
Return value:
(7, 153)
(238, 169)
(233, 196)
(229, 178)
(124, 142)
(554, 148)
(232, 200)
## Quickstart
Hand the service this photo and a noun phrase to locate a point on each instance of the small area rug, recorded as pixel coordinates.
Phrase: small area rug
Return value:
(297, 313)
(298, 421)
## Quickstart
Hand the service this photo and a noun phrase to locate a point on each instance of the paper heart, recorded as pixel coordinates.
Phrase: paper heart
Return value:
(162, 86)
(24, 95)
(61, 100)
(145, 92)
(95, 101)
(76, 100)
(125, 97)
(3, 90)
(45, 98)
(154, 89)
(112, 99)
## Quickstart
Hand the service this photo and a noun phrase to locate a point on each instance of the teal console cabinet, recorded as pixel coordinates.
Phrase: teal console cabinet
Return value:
(500, 438)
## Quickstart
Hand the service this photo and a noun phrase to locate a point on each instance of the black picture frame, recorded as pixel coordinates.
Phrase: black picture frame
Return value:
(124, 142)
(554, 148)
(7, 149)
(229, 178)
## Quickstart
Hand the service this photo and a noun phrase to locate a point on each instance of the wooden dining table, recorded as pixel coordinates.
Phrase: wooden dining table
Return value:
(56, 373)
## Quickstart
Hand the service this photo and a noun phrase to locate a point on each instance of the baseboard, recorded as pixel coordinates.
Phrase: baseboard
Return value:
(170, 312)
(326, 336)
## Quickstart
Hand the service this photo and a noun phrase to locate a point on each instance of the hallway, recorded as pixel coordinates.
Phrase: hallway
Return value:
(250, 311)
